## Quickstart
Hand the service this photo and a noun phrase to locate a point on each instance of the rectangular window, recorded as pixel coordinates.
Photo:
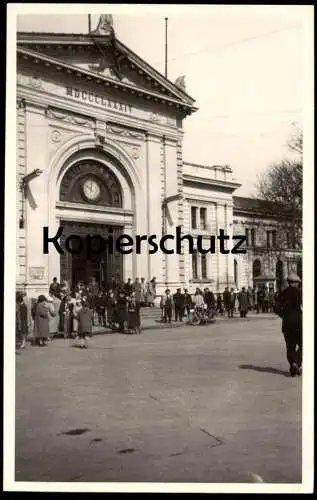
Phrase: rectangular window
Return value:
(194, 217)
(274, 240)
(247, 236)
(253, 242)
(204, 266)
(194, 266)
(268, 239)
(203, 219)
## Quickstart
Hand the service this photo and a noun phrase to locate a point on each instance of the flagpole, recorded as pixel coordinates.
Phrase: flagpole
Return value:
(166, 20)
(89, 23)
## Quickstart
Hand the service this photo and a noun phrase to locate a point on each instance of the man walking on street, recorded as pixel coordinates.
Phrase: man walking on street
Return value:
(290, 310)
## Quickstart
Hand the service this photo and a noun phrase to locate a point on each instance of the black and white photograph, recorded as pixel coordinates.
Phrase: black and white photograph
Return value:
(158, 306)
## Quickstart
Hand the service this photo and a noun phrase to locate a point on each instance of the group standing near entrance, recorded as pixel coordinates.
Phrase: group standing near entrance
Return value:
(73, 312)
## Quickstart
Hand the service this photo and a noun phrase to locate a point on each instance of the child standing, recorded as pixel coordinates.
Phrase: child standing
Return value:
(85, 316)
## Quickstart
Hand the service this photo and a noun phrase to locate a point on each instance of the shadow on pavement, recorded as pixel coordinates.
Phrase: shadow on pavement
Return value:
(265, 369)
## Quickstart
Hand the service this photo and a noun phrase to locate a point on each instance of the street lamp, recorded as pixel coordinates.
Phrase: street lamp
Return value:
(24, 185)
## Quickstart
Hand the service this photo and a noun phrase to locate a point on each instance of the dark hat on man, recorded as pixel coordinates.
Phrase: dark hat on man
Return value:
(293, 278)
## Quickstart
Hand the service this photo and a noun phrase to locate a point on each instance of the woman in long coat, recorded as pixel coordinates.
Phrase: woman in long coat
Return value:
(243, 303)
(41, 322)
(122, 310)
(52, 316)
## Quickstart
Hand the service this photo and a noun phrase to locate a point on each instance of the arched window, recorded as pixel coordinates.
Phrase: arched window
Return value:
(279, 274)
(91, 182)
(256, 271)
(235, 272)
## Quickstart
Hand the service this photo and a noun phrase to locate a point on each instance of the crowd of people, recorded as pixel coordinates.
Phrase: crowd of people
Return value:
(73, 311)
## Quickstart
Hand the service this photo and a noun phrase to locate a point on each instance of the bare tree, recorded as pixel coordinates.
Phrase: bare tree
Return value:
(282, 186)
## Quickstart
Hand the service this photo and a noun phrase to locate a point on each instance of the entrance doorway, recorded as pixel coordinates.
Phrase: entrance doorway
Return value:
(102, 267)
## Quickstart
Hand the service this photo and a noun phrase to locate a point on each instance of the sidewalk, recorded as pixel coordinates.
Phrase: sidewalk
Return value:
(152, 323)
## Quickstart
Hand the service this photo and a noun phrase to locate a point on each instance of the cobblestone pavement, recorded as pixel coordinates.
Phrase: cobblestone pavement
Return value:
(205, 404)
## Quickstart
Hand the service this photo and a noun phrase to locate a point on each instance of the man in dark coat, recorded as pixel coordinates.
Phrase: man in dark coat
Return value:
(121, 309)
(226, 300)
(243, 303)
(178, 299)
(290, 310)
(55, 287)
(187, 302)
(209, 299)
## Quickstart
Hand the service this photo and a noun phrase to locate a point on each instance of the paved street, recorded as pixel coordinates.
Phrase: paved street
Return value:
(204, 404)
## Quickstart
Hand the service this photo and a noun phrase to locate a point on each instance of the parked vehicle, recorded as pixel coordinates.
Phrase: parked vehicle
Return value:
(201, 316)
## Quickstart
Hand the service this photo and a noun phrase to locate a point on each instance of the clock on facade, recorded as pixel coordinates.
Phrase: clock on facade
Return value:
(91, 189)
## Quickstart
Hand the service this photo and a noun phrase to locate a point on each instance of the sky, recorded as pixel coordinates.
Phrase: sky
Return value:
(242, 65)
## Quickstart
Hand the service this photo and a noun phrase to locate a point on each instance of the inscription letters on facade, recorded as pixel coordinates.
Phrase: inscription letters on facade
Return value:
(98, 99)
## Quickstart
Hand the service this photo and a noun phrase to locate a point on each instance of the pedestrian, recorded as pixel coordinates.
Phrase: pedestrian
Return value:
(198, 300)
(153, 289)
(178, 301)
(226, 300)
(209, 300)
(149, 298)
(53, 318)
(128, 287)
(21, 320)
(133, 315)
(143, 292)
(250, 298)
(243, 303)
(187, 303)
(168, 307)
(271, 300)
(111, 309)
(255, 299)
(266, 299)
(41, 323)
(232, 302)
(219, 304)
(121, 307)
(138, 296)
(76, 309)
(290, 310)
(55, 287)
(101, 309)
(84, 324)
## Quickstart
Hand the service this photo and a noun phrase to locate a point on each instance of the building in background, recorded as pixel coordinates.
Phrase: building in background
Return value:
(272, 250)
(99, 151)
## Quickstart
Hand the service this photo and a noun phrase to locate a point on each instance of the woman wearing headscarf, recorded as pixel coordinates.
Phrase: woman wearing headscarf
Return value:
(41, 322)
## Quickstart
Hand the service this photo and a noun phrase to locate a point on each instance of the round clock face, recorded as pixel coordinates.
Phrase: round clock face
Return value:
(91, 189)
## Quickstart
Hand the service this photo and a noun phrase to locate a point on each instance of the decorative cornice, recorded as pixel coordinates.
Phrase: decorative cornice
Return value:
(48, 61)
(60, 40)
(217, 184)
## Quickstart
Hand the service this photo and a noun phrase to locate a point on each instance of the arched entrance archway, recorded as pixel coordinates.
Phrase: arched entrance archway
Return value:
(279, 273)
(93, 188)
